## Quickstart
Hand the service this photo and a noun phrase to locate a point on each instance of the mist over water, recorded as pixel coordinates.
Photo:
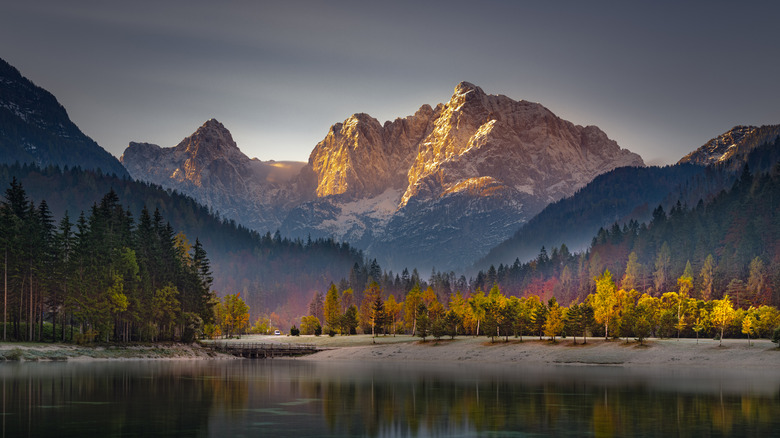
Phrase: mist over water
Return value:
(306, 398)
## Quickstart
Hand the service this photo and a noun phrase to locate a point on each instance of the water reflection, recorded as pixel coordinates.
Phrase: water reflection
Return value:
(300, 398)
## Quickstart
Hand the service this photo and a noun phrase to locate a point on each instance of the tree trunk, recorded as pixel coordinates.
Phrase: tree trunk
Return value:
(30, 322)
(5, 295)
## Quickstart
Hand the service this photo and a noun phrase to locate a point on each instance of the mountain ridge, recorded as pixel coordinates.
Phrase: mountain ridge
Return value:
(477, 155)
(36, 128)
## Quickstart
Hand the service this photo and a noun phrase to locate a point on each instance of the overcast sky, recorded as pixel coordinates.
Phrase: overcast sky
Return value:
(660, 78)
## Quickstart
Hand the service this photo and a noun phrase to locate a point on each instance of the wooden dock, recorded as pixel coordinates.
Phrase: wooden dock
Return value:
(264, 350)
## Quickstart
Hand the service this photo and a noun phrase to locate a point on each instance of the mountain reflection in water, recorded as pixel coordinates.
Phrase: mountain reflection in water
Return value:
(307, 398)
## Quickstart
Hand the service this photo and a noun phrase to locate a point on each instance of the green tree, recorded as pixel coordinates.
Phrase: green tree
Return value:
(451, 321)
(423, 323)
(539, 318)
(349, 321)
(378, 316)
(332, 308)
(166, 307)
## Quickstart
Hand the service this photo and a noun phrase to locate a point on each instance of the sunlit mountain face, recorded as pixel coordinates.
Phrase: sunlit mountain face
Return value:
(457, 178)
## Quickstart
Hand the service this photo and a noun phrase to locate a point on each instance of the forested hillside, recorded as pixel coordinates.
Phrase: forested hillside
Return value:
(618, 195)
(35, 128)
(273, 274)
(631, 193)
(732, 245)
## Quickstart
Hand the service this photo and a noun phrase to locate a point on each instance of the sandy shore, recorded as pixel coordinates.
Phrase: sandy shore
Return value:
(735, 353)
(12, 351)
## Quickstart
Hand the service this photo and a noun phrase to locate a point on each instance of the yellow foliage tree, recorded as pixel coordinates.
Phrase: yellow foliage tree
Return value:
(604, 301)
(722, 315)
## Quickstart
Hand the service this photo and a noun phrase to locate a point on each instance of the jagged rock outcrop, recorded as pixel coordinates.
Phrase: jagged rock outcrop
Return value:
(739, 140)
(209, 166)
(466, 175)
(35, 128)
(361, 158)
(520, 144)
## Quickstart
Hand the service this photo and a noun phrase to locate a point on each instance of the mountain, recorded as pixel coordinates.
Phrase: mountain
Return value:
(617, 196)
(209, 166)
(627, 194)
(35, 128)
(731, 242)
(456, 179)
(738, 141)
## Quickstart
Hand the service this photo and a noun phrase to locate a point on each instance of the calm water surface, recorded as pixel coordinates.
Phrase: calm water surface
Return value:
(281, 398)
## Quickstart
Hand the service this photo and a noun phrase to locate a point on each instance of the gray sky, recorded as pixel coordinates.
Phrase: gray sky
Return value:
(660, 78)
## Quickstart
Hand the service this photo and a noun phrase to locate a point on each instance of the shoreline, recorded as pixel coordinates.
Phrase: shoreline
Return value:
(734, 354)
(656, 353)
(44, 352)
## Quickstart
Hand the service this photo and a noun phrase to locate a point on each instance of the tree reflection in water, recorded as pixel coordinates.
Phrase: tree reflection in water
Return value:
(300, 398)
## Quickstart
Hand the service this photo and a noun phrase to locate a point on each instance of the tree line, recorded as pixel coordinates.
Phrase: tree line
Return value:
(732, 245)
(272, 272)
(101, 277)
(610, 312)
(681, 272)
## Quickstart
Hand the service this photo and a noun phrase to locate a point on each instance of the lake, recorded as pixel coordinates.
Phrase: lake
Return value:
(294, 398)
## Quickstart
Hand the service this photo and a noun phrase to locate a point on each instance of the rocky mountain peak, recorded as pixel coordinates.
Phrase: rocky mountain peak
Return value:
(733, 146)
(520, 143)
(361, 157)
(213, 136)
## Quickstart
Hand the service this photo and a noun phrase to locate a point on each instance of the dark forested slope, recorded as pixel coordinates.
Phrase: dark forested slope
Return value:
(272, 273)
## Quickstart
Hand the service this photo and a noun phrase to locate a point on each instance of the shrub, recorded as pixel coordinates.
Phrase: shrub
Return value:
(15, 354)
(294, 331)
(776, 336)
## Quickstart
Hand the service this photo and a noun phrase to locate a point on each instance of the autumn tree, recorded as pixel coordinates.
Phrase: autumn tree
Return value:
(756, 283)
(317, 307)
(393, 311)
(722, 315)
(604, 301)
(411, 303)
(554, 323)
(663, 263)
(235, 314)
(310, 325)
(633, 272)
(707, 277)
